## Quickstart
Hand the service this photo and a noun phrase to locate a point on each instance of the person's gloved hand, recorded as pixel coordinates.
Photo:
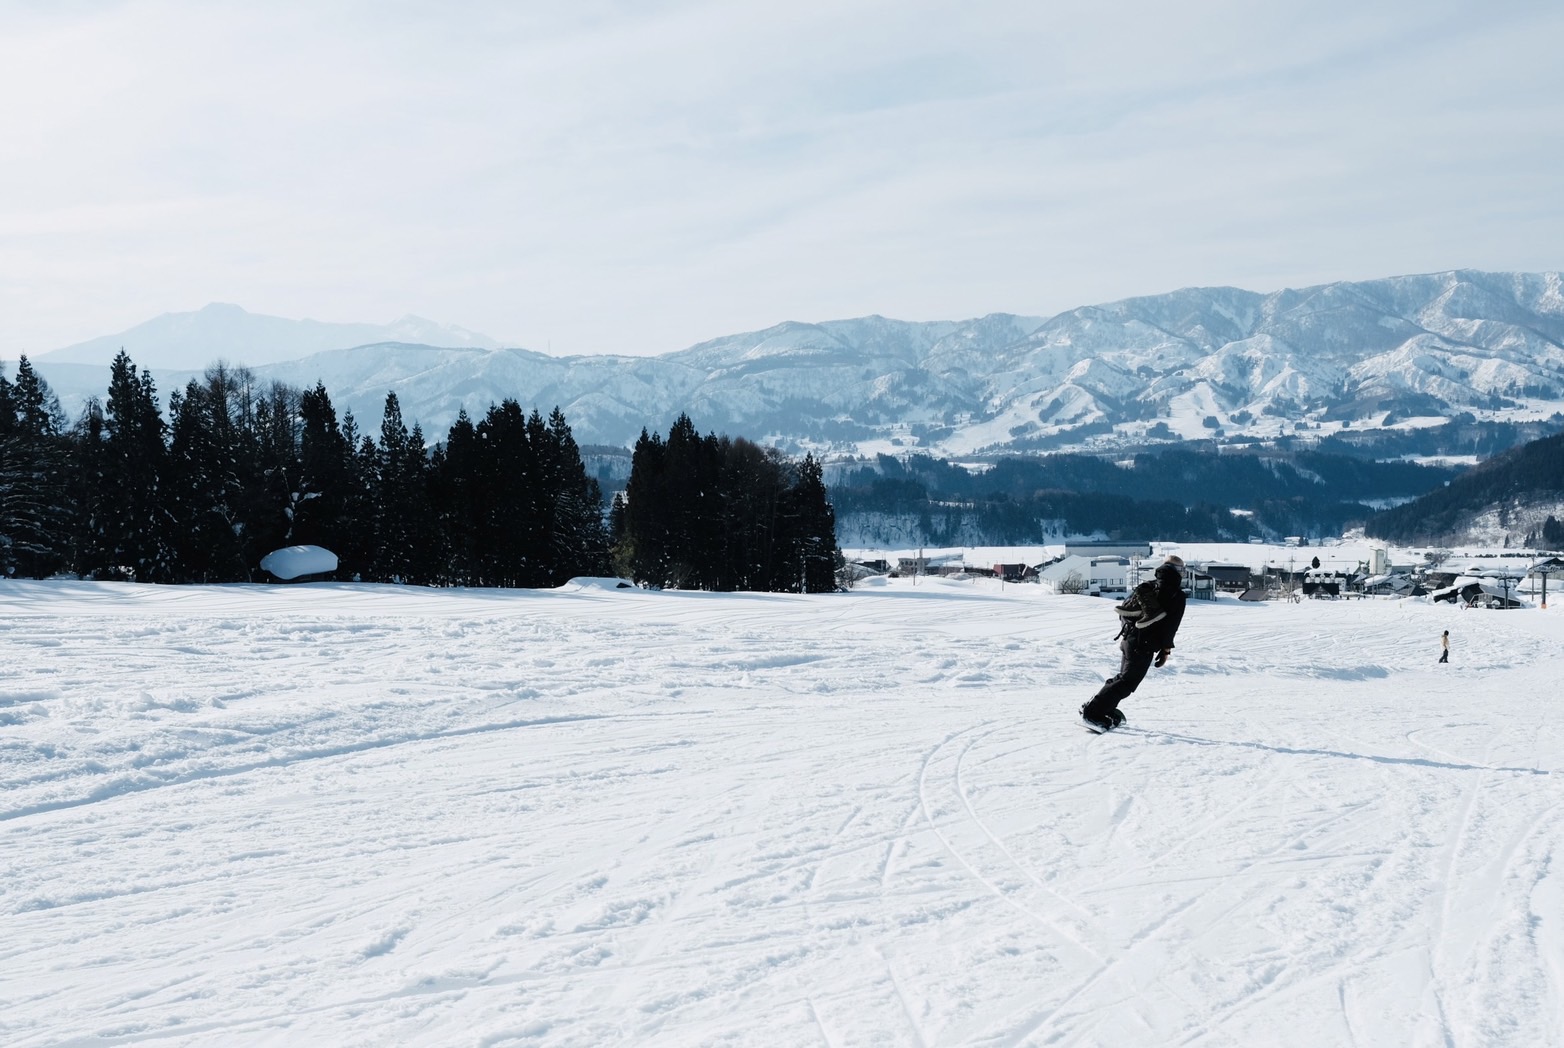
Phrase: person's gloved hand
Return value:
(1162, 657)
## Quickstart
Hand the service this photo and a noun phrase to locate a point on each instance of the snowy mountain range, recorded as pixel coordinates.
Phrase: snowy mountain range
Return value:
(1396, 352)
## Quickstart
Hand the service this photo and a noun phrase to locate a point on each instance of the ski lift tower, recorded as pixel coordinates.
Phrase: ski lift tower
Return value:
(1542, 569)
(1507, 579)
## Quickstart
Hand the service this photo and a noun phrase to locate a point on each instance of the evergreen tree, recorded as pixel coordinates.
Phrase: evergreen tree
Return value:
(814, 529)
(34, 530)
(129, 519)
(401, 507)
(36, 407)
(318, 505)
(85, 465)
(508, 528)
(621, 548)
(723, 514)
(457, 493)
(692, 503)
(753, 488)
(576, 540)
(203, 487)
(10, 464)
(230, 453)
(1553, 533)
(428, 552)
(274, 492)
(356, 552)
(643, 545)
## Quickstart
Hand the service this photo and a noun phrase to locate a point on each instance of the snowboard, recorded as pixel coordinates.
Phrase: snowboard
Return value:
(1096, 729)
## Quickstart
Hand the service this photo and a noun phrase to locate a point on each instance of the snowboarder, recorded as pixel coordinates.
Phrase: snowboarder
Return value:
(1444, 643)
(1149, 622)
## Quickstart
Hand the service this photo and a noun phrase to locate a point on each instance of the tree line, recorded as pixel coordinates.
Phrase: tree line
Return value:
(999, 520)
(720, 513)
(1230, 477)
(1175, 494)
(237, 469)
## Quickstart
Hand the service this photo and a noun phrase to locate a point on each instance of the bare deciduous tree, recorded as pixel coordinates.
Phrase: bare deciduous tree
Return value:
(1074, 582)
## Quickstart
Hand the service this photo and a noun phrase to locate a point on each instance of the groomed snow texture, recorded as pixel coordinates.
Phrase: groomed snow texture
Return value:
(355, 815)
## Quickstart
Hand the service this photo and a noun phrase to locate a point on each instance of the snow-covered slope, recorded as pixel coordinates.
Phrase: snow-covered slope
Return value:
(1374, 353)
(333, 815)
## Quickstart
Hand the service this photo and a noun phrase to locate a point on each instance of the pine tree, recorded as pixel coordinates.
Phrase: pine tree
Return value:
(427, 552)
(84, 473)
(274, 491)
(34, 529)
(691, 493)
(577, 543)
(723, 514)
(643, 543)
(201, 485)
(356, 550)
(754, 486)
(458, 495)
(401, 507)
(129, 519)
(318, 504)
(508, 527)
(621, 548)
(222, 491)
(815, 521)
(10, 465)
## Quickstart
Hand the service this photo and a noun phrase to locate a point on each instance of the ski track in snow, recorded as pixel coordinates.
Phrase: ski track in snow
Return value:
(368, 815)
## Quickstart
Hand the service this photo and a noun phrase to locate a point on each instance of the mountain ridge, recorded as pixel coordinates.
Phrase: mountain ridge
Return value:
(222, 330)
(1389, 353)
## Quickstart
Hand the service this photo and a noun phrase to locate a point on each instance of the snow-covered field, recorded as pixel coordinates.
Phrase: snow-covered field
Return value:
(341, 815)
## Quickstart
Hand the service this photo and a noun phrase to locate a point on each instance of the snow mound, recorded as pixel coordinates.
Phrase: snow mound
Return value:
(583, 582)
(292, 562)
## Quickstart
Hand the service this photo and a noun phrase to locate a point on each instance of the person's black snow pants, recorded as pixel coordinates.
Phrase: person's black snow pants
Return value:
(1134, 661)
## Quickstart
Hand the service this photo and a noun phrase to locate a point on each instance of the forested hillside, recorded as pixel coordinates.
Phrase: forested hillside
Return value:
(1459, 436)
(1522, 489)
(1175, 494)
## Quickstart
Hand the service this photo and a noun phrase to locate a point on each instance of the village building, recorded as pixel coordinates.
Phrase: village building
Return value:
(1096, 576)
(1228, 578)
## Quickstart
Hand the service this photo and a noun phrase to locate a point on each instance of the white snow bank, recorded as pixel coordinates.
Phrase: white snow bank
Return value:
(293, 562)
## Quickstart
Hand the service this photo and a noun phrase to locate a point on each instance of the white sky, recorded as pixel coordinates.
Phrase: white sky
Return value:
(636, 177)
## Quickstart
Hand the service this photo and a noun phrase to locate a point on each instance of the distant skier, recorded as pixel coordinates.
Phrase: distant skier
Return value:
(1149, 620)
(1444, 643)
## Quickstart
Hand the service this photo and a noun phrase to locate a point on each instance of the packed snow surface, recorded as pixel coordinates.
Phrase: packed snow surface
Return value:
(356, 815)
